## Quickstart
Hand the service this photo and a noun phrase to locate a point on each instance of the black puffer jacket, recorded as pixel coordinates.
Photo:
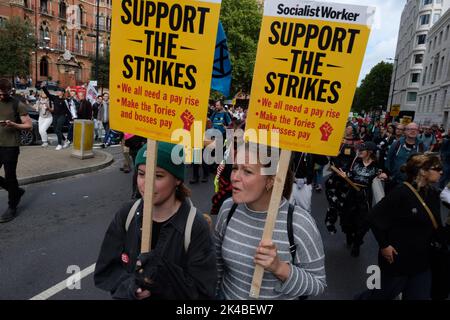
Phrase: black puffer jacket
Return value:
(182, 275)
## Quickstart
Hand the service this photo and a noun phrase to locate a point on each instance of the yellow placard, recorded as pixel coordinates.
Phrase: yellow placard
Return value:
(405, 120)
(395, 110)
(162, 54)
(308, 62)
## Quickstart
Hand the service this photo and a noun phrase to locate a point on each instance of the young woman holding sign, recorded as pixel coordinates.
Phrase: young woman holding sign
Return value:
(178, 267)
(289, 273)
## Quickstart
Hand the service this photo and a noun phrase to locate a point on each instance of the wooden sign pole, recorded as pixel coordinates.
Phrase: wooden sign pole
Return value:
(272, 213)
(350, 182)
(147, 221)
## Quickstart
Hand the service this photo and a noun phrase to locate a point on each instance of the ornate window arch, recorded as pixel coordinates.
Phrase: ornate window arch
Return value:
(62, 38)
(79, 42)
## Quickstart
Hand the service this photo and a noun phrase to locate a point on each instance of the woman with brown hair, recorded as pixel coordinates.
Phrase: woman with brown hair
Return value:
(177, 267)
(404, 231)
(45, 116)
(289, 274)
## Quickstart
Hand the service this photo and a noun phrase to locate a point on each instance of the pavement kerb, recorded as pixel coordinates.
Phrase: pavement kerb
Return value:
(68, 173)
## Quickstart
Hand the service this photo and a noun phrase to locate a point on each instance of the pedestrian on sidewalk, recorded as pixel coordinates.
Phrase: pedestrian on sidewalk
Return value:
(60, 114)
(294, 265)
(103, 116)
(45, 116)
(97, 123)
(13, 118)
(73, 104)
(173, 269)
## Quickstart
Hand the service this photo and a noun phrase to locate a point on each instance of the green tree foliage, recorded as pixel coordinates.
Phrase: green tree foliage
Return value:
(103, 69)
(241, 20)
(17, 40)
(374, 89)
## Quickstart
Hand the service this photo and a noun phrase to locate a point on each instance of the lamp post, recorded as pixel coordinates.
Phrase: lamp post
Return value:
(395, 76)
(37, 39)
(97, 40)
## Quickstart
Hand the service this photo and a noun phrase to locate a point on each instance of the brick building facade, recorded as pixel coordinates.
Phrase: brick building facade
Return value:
(66, 36)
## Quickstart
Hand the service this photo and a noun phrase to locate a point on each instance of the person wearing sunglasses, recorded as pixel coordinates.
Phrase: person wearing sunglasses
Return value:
(404, 228)
(13, 118)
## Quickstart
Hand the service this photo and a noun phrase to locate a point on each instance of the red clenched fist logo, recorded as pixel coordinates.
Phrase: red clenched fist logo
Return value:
(326, 129)
(188, 120)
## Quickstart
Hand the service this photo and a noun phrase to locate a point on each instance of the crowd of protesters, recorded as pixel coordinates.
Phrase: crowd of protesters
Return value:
(188, 260)
(371, 155)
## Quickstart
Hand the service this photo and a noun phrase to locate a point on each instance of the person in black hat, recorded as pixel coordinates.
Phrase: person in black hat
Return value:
(357, 203)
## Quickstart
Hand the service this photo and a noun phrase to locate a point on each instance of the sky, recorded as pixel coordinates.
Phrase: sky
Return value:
(384, 34)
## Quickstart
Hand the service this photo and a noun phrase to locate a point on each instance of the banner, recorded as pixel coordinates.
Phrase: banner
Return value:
(221, 78)
(161, 60)
(307, 66)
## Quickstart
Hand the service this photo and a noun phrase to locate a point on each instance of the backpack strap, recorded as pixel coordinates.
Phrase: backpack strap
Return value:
(132, 213)
(188, 229)
(189, 222)
(232, 210)
(290, 230)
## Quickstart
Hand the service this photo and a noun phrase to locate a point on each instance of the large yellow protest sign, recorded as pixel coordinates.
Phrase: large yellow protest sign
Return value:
(308, 62)
(162, 54)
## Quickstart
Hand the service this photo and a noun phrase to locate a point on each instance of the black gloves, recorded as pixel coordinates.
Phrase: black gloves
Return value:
(146, 273)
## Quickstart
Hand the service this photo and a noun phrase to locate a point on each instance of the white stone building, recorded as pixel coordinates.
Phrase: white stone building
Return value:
(433, 99)
(417, 19)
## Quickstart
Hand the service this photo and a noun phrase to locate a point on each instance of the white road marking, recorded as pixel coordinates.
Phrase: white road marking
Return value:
(64, 284)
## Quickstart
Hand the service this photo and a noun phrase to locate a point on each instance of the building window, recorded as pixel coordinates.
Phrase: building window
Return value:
(62, 9)
(418, 58)
(63, 40)
(415, 77)
(80, 15)
(424, 19)
(426, 2)
(44, 6)
(44, 34)
(411, 97)
(79, 43)
(421, 39)
(44, 67)
(440, 37)
(2, 21)
(434, 103)
(441, 66)
(436, 17)
(446, 32)
(424, 76)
